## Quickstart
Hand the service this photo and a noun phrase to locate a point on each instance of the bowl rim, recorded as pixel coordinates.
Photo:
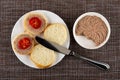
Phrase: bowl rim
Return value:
(103, 19)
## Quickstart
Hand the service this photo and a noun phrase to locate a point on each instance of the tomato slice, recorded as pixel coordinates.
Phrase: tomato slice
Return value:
(24, 43)
(35, 22)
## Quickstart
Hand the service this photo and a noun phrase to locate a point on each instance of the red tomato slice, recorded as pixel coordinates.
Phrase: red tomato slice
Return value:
(24, 43)
(35, 22)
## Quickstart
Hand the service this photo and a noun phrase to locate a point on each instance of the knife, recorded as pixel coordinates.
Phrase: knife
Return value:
(61, 49)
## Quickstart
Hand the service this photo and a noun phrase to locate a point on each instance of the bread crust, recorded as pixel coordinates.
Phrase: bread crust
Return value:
(39, 65)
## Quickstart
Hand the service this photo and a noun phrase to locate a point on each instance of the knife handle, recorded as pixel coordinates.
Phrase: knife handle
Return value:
(101, 65)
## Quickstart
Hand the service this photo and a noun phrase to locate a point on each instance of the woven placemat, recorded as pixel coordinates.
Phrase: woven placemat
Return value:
(69, 68)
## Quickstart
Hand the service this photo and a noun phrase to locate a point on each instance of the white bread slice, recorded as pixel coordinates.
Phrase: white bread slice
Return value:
(42, 56)
(56, 33)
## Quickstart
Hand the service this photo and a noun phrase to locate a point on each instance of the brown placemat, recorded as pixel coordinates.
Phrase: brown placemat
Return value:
(69, 68)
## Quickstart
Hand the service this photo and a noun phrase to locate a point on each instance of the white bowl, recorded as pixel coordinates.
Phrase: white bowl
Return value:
(87, 43)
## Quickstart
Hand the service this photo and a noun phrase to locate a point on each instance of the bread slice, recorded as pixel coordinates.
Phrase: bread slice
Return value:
(42, 56)
(56, 33)
(16, 41)
(29, 28)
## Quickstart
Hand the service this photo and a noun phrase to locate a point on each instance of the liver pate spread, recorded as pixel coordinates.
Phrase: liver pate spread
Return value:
(93, 28)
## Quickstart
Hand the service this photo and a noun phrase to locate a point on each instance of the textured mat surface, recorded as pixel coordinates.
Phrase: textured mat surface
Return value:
(69, 68)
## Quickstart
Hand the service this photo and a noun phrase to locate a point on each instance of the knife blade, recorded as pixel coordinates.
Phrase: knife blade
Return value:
(52, 45)
(61, 49)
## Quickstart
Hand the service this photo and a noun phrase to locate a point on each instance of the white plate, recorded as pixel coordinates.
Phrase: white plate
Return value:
(18, 28)
(82, 40)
